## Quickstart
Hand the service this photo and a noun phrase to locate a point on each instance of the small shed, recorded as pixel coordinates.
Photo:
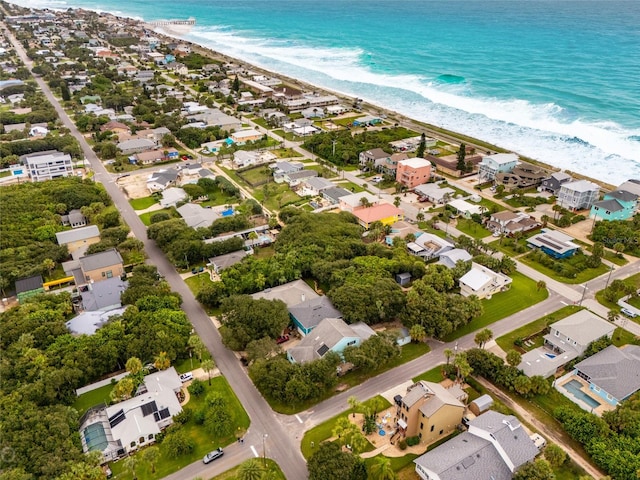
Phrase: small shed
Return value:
(481, 404)
(403, 278)
(27, 287)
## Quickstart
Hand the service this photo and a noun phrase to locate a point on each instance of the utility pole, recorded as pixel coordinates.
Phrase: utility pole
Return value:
(584, 291)
(264, 451)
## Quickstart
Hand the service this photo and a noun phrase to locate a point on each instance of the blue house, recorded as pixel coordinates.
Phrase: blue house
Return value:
(612, 374)
(553, 243)
(331, 335)
(308, 314)
(617, 205)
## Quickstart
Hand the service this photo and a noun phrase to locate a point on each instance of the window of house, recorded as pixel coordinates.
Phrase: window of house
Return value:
(141, 440)
(109, 274)
(609, 396)
(596, 388)
(104, 274)
(432, 427)
(607, 212)
(133, 444)
(441, 432)
(556, 333)
(421, 425)
(150, 437)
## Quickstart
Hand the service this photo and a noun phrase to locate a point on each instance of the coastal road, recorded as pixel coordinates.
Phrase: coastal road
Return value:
(280, 445)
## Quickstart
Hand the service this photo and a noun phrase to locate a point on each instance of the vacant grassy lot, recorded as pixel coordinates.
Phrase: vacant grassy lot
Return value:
(257, 175)
(204, 441)
(144, 202)
(472, 229)
(522, 294)
(198, 282)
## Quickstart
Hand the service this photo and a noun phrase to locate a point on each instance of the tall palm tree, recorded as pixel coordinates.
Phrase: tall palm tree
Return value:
(250, 470)
(382, 470)
(208, 366)
(133, 365)
(162, 361)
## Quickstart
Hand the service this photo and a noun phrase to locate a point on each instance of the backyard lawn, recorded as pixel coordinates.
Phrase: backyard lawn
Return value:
(204, 441)
(352, 187)
(522, 294)
(142, 203)
(313, 437)
(272, 469)
(90, 399)
(257, 175)
(581, 277)
(472, 229)
(198, 282)
(506, 342)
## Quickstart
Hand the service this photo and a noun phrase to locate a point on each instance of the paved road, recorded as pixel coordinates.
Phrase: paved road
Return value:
(280, 444)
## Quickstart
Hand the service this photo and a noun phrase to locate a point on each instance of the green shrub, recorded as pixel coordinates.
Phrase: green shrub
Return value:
(402, 444)
(183, 417)
(196, 388)
(412, 441)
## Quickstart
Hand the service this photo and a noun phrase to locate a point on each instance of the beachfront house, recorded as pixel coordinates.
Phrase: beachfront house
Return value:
(578, 195)
(567, 340)
(492, 165)
(47, 165)
(616, 205)
(553, 182)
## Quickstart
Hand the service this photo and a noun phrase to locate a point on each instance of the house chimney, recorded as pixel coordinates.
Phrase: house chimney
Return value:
(302, 297)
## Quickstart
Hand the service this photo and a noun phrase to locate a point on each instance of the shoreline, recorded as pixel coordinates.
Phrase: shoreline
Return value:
(447, 135)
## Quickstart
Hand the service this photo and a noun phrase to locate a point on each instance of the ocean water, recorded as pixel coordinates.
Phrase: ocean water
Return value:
(555, 80)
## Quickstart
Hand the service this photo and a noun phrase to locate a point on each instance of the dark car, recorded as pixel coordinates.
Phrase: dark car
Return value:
(282, 339)
(211, 456)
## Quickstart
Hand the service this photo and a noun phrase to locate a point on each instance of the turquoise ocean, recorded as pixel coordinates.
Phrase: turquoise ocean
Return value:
(555, 80)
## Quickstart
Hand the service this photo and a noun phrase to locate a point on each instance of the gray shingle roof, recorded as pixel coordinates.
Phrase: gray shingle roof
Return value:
(584, 327)
(614, 370)
(622, 195)
(28, 284)
(77, 234)
(611, 205)
(311, 312)
(100, 260)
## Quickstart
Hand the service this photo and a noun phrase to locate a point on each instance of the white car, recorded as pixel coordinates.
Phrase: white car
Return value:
(186, 377)
(376, 179)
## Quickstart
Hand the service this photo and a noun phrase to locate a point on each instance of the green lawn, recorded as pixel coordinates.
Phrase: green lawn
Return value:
(314, 436)
(583, 276)
(264, 252)
(433, 375)
(90, 399)
(286, 153)
(198, 282)
(323, 171)
(623, 337)
(472, 229)
(632, 280)
(272, 468)
(146, 217)
(143, 203)
(278, 195)
(569, 470)
(257, 175)
(522, 294)
(352, 187)
(506, 341)
(204, 442)
(508, 246)
(409, 352)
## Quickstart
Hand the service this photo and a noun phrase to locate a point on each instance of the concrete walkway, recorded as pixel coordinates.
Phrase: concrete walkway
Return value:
(101, 383)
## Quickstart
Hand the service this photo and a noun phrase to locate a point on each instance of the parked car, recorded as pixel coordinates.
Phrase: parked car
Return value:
(376, 179)
(184, 158)
(211, 456)
(150, 367)
(282, 339)
(186, 377)
(629, 313)
(539, 441)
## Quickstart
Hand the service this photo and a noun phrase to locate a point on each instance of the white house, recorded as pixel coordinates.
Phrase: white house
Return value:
(483, 282)
(172, 196)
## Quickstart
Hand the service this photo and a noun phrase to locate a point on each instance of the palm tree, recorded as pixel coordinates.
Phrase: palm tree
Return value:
(133, 365)
(208, 366)
(382, 470)
(417, 333)
(130, 464)
(353, 403)
(483, 336)
(545, 219)
(162, 361)
(420, 216)
(250, 470)
(448, 353)
(541, 284)
(396, 201)
(151, 455)
(463, 369)
(612, 316)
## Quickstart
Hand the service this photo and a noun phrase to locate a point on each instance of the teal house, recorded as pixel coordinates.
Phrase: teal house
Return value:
(616, 205)
(307, 315)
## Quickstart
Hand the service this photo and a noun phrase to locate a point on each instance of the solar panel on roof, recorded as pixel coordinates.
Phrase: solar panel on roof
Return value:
(117, 418)
(322, 350)
(148, 408)
(161, 415)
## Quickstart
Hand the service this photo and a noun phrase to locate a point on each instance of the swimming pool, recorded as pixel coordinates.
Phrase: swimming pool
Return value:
(550, 355)
(95, 437)
(574, 388)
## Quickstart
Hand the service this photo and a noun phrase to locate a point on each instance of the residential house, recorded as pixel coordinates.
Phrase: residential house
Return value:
(384, 213)
(47, 165)
(280, 169)
(216, 118)
(492, 165)
(372, 156)
(411, 144)
(196, 216)
(136, 145)
(567, 340)
(510, 222)
(494, 448)
(523, 175)
(172, 196)
(243, 136)
(116, 127)
(148, 157)
(29, 286)
(429, 246)
(430, 411)
(95, 268)
(465, 208)
(612, 376)
(124, 427)
(631, 186)
(74, 219)
(413, 172)
(616, 205)
(578, 195)
(227, 260)
(291, 293)
(246, 158)
(483, 282)
(308, 314)
(553, 182)
(434, 193)
(331, 335)
(38, 131)
(102, 296)
(355, 201)
(294, 179)
(162, 179)
(367, 121)
(334, 194)
(451, 257)
(314, 186)
(78, 240)
(554, 243)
